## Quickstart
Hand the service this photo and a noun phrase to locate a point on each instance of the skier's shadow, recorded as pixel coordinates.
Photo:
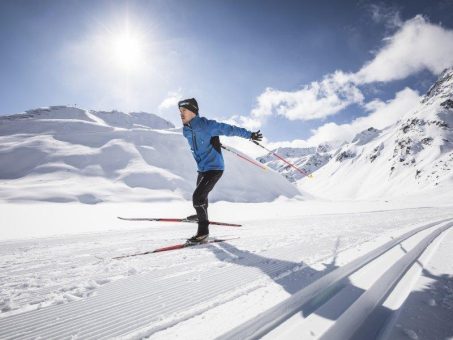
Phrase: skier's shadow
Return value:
(291, 276)
(294, 276)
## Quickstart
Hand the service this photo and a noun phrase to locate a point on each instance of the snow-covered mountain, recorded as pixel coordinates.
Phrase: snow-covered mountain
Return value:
(67, 154)
(412, 156)
(309, 159)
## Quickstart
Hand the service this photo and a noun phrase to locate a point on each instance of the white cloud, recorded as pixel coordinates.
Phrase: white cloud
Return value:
(297, 143)
(331, 132)
(415, 46)
(314, 101)
(171, 101)
(250, 123)
(418, 45)
(168, 108)
(382, 114)
(387, 14)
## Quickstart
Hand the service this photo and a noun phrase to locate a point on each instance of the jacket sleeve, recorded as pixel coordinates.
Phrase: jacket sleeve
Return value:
(223, 129)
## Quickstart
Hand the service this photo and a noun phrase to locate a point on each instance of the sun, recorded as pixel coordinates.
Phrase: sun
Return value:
(127, 50)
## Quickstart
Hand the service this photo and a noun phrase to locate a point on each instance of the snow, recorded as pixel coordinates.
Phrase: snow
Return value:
(66, 154)
(427, 313)
(67, 173)
(37, 220)
(366, 136)
(283, 246)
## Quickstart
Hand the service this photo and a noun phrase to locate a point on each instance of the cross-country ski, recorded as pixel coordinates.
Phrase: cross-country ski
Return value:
(176, 247)
(184, 220)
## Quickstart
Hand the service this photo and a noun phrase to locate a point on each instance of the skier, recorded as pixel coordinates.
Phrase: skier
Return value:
(203, 137)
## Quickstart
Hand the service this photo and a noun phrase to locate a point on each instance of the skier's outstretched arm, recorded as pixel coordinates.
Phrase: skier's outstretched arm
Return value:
(223, 129)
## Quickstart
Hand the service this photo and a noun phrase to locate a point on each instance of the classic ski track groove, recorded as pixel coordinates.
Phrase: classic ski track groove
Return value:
(146, 312)
(346, 325)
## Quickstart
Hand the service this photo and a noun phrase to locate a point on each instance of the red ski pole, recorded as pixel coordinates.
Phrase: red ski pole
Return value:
(245, 158)
(284, 160)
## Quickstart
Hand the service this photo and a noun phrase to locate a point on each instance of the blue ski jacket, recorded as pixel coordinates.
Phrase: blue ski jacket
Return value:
(202, 135)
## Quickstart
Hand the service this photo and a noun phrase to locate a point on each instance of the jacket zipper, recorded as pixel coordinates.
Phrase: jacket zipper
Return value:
(194, 140)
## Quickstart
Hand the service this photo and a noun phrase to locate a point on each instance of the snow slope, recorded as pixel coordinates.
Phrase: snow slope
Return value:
(307, 159)
(413, 156)
(66, 154)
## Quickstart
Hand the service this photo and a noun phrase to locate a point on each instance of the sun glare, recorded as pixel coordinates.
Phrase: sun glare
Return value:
(127, 50)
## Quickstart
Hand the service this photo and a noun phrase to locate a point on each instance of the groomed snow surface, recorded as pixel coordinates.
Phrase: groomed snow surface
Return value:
(58, 279)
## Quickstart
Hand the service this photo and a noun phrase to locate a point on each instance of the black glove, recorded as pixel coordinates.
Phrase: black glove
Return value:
(257, 136)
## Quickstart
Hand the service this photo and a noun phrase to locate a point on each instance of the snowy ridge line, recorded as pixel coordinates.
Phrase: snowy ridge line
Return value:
(111, 129)
(265, 322)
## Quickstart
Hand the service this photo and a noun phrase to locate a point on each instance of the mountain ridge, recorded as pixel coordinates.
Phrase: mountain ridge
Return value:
(413, 155)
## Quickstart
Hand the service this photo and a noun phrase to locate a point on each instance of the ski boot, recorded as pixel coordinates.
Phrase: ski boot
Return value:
(198, 239)
(192, 218)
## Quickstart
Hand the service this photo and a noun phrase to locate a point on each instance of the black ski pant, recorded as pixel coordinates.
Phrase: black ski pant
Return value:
(205, 183)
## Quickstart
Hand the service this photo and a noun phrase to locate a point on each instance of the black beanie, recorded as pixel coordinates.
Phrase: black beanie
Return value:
(190, 104)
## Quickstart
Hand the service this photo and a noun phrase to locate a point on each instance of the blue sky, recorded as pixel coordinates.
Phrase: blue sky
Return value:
(253, 63)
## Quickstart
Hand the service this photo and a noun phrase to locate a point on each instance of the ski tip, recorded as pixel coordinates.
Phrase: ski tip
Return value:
(223, 239)
(225, 224)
